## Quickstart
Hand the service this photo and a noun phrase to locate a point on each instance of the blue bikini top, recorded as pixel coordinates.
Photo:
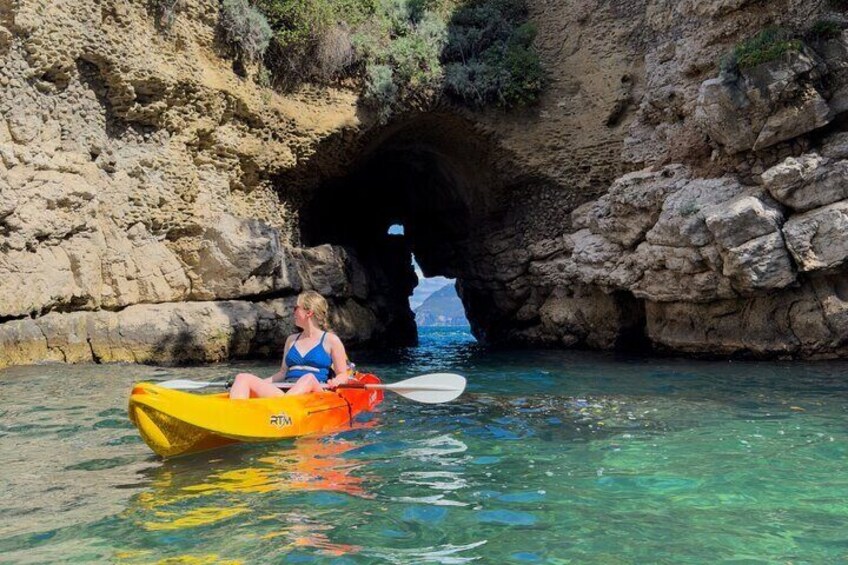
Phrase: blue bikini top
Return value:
(316, 361)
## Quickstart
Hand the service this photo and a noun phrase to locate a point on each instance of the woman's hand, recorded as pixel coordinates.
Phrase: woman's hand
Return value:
(335, 382)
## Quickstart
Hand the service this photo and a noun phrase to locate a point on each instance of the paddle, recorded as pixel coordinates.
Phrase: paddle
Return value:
(434, 388)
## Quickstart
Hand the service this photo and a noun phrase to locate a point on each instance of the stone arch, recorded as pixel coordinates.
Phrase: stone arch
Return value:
(434, 174)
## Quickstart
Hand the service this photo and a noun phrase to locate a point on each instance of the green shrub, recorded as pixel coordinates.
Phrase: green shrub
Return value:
(406, 38)
(402, 50)
(824, 29)
(304, 21)
(414, 52)
(263, 77)
(489, 56)
(381, 89)
(245, 29)
(766, 46)
(312, 38)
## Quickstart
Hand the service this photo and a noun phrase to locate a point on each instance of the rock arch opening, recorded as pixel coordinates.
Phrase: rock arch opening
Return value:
(422, 178)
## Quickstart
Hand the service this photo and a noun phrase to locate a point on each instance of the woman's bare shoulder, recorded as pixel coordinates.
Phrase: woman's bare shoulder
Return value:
(333, 339)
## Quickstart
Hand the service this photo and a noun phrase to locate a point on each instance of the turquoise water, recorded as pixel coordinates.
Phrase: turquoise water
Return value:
(550, 457)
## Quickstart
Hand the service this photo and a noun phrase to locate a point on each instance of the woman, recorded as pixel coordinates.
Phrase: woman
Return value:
(308, 356)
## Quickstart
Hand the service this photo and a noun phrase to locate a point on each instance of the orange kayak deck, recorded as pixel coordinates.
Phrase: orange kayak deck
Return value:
(174, 423)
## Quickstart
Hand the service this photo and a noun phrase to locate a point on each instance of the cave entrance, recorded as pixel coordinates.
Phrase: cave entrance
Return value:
(408, 184)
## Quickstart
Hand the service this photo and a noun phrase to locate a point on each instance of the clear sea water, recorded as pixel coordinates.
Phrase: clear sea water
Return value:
(550, 457)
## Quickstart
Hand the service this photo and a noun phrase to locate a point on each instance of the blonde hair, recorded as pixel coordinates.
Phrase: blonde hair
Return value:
(311, 300)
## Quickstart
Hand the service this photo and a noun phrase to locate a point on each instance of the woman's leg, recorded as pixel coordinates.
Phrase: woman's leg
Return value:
(306, 384)
(251, 386)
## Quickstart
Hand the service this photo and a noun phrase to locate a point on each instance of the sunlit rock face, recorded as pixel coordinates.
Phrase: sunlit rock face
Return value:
(156, 206)
(140, 219)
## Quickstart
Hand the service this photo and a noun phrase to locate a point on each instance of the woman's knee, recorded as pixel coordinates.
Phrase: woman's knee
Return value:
(305, 384)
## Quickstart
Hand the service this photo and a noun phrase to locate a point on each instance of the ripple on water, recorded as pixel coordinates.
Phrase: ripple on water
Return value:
(100, 464)
(126, 440)
(425, 514)
(507, 517)
(114, 423)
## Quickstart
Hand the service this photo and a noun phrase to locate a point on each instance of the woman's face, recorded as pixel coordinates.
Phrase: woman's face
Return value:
(301, 316)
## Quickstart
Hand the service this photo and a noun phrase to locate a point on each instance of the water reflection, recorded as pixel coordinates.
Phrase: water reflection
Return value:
(255, 485)
(434, 473)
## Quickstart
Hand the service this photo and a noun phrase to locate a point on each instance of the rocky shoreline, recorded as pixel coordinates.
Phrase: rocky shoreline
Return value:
(156, 206)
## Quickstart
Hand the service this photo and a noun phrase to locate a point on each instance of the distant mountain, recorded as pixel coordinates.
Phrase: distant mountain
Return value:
(442, 308)
(426, 287)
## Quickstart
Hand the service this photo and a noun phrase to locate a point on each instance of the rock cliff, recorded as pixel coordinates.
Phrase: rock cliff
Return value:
(139, 216)
(156, 206)
(729, 239)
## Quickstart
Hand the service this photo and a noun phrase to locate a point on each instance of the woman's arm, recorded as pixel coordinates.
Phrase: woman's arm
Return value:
(281, 374)
(339, 357)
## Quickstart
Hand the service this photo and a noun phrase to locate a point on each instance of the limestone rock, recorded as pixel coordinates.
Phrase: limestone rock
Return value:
(8, 203)
(323, 269)
(169, 333)
(711, 8)
(818, 239)
(34, 282)
(793, 322)
(138, 171)
(807, 182)
(538, 251)
(632, 205)
(560, 271)
(5, 40)
(50, 206)
(353, 322)
(88, 271)
(237, 257)
(594, 257)
(809, 112)
(741, 219)
(764, 105)
(836, 146)
(23, 343)
(137, 268)
(667, 272)
(681, 222)
(723, 112)
(761, 263)
(588, 317)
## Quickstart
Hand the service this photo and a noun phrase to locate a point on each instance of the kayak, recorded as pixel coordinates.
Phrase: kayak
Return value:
(173, 423)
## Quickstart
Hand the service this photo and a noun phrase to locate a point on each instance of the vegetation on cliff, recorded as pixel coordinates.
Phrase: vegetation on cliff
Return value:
(766, 46)
(400, 52)
(823, 30)
(245, 29)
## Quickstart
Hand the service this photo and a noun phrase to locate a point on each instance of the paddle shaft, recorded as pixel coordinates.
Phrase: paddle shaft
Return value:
(369, 386)
(431, 389)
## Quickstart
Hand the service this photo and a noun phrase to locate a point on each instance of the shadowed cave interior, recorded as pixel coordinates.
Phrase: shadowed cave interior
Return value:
(408, 184)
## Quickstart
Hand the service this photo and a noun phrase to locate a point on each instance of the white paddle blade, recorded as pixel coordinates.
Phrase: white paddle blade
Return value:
(434, 388)
(185, 384)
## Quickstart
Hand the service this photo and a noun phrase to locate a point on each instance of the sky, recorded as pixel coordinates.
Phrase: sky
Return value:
(426, 286)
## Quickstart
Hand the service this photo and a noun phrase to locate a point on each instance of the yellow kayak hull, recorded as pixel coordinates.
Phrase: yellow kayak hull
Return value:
(173, 422)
